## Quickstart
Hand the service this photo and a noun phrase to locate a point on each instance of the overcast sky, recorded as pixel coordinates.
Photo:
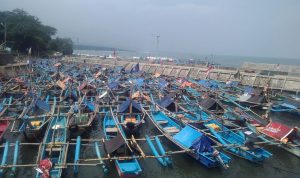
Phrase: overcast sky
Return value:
(267, 28)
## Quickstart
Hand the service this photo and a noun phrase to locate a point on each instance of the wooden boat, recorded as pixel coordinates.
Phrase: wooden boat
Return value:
(204, 100)
(253, 98)
(118, 146)
(279, 134)
(225, 136)
(289, 104)
(54, 147)
(4, 124)
(87, 89)
(35, 117)
(277, 97)
(242, 117)
(80, 117)
(4, 105)
(244, 147)
(188, 138)
(130, 116)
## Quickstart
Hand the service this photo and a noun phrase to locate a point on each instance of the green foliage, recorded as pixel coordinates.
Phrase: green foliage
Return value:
(63, 45)
(25, 31)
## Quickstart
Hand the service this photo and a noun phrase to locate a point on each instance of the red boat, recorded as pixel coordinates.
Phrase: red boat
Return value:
(3, 127)
(288, 137)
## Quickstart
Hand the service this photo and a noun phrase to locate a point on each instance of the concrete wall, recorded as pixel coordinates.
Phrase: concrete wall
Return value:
(279, 82)
(290, 70)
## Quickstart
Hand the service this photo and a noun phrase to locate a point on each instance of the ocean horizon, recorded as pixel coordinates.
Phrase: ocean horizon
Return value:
(224, 60)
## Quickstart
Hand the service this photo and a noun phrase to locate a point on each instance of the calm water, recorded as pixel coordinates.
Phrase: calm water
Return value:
(282, 164)
(230, 61)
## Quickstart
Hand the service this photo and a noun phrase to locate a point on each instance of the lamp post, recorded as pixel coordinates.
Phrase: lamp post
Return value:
(4, 26)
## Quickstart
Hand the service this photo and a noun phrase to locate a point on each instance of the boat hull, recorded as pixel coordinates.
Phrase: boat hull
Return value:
(293, 150)
(125, 174)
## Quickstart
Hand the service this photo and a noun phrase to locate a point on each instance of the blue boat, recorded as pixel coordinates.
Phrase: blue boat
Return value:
(81, 116)
(35, 118)
(289, 104)
(188, 138)
(130, 113)
(117, 146)
(235, 143)
(54, 147)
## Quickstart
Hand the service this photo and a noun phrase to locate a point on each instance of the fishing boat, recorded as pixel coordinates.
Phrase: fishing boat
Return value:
(130, 116)
(4, 124)
(197, 145)
(279, 134)
(81, 116)
(253, 97)
(242, 117)
(53, 150)
(117, 145)
(212, 105)
(68, 90)
(87, 89)
(243, 148)
(35, 117)
(289, 104)
(4, 105)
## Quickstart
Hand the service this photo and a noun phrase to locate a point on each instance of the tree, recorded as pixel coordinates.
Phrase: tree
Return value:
(63, 45)
(25, 31)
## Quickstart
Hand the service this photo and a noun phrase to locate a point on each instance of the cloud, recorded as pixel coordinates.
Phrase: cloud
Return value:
(252, 27)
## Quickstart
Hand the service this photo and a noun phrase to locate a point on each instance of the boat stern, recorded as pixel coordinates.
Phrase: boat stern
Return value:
(128, 168)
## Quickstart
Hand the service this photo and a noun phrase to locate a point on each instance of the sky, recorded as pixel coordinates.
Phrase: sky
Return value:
(265, 28)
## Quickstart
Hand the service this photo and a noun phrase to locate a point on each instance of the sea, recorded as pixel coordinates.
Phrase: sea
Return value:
(224, 60)
(281, 165)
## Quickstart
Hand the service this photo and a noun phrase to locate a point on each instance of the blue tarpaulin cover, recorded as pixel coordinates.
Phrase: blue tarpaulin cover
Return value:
(187, 136)
(126, 104)
(249, 90)
(286, 105)
(209, 84)
(135, 68)
(162, 83)
(232, 84)
(139, 82)
(202, 144)
(89, 105)
(113, 85)
(74, 95)
(165, 101)
(43, 105)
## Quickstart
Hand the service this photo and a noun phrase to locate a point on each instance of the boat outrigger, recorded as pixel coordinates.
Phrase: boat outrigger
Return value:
(187, 138)
(117, 145)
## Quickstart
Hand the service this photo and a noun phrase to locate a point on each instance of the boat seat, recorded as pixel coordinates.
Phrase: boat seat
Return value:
(57, 126)
(214, 126)
(57, 146)
(260, 128)
(112, 130)
(206, 153)
(130, 119)
(255, 125)
(54, 149)
(162, 122)
(171, 129)
(244, 148)
(36, 123)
